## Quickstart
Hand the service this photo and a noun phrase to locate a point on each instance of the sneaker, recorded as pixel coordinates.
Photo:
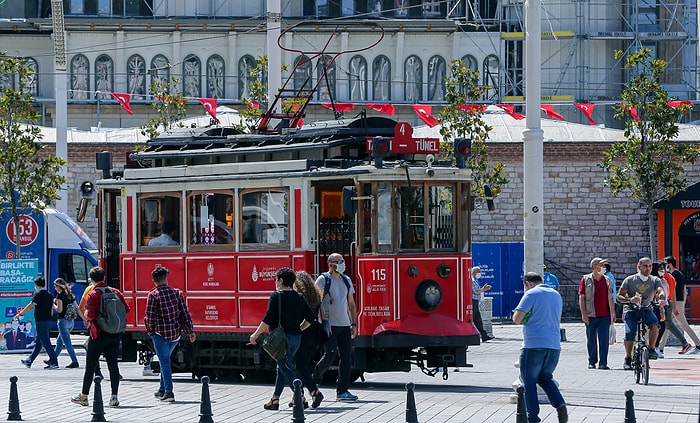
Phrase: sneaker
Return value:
(685, 348)
(628, 363)
(168, 397)
(73, 365)
(47, 361)
(27, 363)
(603, 367)
(80, 399)
(51, 366)
(562, 414)
(659, 353)
(147, 371)
(694, 350)
(653, 355)
(114, 401)
(591, 366)
(346, 396)
(159, 394)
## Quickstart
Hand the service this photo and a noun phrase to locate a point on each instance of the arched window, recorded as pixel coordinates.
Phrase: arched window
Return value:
(413, 79)
(381, 78)
(245, 79)
(358, 78)
(191, 77)
(470, 61)
(79, 77)
(302, 73)
(326, 76)
(436, 78)
(136, 77)
(492, 76)
(104, 77)
(160, 69)
(215, 76)
(32, 79)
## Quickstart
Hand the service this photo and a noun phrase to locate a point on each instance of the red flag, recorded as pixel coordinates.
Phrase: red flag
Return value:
(677, 103)
(384, 108)
(632, 111)
(210, 106)
(424, 114)
(471, 108)
(341, 107)
(510, 109)
(587, 109)
(124, 100)
(253, 104)
(548, 110)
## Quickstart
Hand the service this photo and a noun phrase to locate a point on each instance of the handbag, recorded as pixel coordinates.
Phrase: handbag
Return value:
(612, 335)
(275, 344)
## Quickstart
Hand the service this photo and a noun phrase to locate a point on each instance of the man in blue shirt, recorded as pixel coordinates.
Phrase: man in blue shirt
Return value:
(550, 280)
(539, 355)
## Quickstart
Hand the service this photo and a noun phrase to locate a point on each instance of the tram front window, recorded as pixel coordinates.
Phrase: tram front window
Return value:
(265, 218)
(411, 215)
(384, 220)
(210, 218)
(441, 217)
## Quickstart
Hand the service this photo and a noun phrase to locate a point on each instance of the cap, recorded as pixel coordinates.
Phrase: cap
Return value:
(544, 266)
(159, 272)
(598, 260)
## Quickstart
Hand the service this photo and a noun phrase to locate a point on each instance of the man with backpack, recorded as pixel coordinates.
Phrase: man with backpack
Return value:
(340, 316)
(105, 313)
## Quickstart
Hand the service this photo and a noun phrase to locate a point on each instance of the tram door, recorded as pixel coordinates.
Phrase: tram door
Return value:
(336, 230)
(110, 216)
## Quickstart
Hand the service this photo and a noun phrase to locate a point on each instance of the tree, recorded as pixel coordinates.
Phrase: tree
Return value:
(29, 179)
(462, 117)
(650, 164)
(170, 106)
(257, 102)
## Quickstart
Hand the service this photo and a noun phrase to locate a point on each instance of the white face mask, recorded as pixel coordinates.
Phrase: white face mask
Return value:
(643, 277)
(477, 275)
(340, 268)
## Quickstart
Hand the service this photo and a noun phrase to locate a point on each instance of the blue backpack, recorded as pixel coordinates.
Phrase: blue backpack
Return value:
(327, 287)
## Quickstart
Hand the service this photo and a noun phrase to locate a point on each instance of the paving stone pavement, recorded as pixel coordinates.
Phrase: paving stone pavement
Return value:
(478, 394)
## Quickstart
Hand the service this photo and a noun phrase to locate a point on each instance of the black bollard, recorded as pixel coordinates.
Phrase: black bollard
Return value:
(521, 412)
(98, 409)
(298, 410)
(13, 412)
(205, 406)
(629, 407)
(411, 413)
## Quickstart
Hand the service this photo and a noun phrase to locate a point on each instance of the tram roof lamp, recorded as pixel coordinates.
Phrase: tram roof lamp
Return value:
(463, 149)
(381, 147)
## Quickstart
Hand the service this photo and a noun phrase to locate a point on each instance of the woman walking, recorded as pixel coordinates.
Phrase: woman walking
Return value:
(310, 338)
(68, 311)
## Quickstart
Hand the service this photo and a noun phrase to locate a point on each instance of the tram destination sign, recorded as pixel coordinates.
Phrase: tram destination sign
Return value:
(403, 142)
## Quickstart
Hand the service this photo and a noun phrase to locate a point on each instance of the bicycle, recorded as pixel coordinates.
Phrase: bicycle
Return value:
(640, 353)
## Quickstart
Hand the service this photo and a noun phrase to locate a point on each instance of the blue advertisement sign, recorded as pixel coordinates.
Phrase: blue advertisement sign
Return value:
(16, 291)
(501, 266)
(31, 236)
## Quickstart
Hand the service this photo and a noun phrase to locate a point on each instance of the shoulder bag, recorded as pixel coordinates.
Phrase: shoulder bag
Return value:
(275, 344)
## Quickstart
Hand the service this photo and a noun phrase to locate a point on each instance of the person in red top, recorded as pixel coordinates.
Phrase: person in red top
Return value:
(100, 342)
(166, 318)
(595, 299)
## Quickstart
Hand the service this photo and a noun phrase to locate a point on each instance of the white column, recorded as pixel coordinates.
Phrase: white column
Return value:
(274, 56)
(397, 88)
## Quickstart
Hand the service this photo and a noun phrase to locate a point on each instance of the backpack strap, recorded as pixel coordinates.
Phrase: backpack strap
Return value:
(327, 287)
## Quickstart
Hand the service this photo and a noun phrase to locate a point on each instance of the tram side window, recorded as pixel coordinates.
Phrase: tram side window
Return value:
(210, 218)
(384, 220)
(160, 220)
(441, 215)
(412, 218)
(265, 217)
(366, 219)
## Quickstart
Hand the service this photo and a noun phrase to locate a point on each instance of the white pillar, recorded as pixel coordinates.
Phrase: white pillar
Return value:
(274, 55)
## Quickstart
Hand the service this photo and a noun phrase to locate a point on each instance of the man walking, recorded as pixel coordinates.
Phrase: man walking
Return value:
(338, 311)
(679, 307)
(541, 345)
(595, 299)
(42, 303)
(166, 318)
(477, 296)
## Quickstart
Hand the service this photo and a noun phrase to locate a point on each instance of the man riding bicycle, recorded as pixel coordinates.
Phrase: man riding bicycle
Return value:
(640, 289)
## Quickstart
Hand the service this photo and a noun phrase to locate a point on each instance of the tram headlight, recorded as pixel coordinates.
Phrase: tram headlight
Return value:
(428, 295)
(381, 147)
(462, 149)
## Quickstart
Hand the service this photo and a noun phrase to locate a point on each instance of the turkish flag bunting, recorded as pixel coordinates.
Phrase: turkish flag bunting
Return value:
(632, 111)
(384, 108)
(677, 103)
(510, 109)
(124, 100)
(253, 104)
(471, 108)
(340, 107)
(424, 114)
(587, 109)
(548, 110)
(210, 106)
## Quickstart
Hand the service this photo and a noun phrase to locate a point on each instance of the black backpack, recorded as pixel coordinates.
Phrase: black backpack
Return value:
(112, 315)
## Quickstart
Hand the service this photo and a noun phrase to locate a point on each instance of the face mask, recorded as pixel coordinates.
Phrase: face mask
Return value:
(661, 273)
(477, 276)
(643, 278)
(340, 268)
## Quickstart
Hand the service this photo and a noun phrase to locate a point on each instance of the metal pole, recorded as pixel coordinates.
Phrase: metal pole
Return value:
(533, 139)
(97, 96)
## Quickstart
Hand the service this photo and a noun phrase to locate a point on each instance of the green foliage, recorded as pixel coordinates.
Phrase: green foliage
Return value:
(169, 104)
(25, 170)
(462, 118)
(258, 94)
(650, 164)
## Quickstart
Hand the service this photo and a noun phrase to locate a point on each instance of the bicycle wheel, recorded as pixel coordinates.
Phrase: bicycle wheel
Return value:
(637, 363)
(645, 365)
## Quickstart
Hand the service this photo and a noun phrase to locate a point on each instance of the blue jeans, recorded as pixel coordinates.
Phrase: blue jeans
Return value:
(537, 368)
(64, 328)
(340, 343)
(285, 367)
(597, 333)
(164, 349)
(633, 317)
(43, 339)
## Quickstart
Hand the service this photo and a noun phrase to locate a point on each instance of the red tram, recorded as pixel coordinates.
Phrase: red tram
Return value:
(239, 206)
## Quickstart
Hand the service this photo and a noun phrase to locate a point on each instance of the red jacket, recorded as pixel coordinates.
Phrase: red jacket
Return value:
(92, 307)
